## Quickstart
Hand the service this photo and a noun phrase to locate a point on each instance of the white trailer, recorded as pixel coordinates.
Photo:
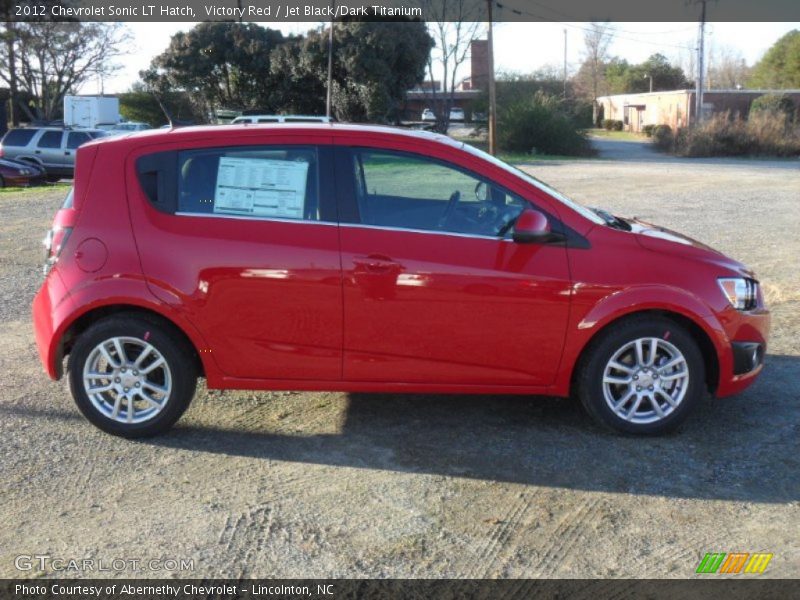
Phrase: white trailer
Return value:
(90, 111)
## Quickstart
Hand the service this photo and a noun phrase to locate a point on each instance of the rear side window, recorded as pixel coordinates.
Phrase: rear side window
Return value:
(267, 182)
(50, 139)
(19, 137)
(76, 138)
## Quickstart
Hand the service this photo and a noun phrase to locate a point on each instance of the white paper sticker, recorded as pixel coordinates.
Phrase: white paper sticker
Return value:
(261, 187)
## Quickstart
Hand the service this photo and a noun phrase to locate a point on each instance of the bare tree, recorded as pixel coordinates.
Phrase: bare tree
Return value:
(597, 40)
(686, 60)
(727, 68)
(49, 60)
(453, 25)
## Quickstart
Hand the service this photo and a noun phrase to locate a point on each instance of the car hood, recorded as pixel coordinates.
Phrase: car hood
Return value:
(663, 240)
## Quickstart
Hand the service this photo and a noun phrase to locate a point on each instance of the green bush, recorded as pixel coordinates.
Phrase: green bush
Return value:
(662, 137)
(648, 130)
(774, 104)
(540, 126)
(612, 125)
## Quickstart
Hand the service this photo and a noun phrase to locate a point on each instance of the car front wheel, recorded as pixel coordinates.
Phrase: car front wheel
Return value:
(642, 376)
(131, 377)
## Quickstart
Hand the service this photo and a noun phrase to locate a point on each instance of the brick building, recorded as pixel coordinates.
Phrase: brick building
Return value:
(677, 108)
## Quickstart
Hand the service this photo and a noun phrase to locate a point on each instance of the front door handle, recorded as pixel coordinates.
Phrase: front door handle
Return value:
(376, 263)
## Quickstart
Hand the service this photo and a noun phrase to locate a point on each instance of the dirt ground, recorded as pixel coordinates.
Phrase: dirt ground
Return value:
(337, 485)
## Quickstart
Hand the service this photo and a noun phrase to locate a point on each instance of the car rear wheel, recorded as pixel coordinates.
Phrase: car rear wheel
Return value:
(131, 377)
(643, 376)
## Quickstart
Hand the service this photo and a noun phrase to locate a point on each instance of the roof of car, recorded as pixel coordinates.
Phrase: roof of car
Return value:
(235, 131)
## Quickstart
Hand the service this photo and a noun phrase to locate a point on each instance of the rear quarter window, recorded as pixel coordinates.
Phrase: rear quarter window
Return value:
(19, 137)
(76, 138)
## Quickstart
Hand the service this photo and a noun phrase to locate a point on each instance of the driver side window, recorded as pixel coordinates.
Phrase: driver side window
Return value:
(408, 191)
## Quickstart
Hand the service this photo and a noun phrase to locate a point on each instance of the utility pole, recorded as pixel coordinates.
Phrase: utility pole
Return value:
(492, 91)
(700, 64)
(330, 62)
(565, 63)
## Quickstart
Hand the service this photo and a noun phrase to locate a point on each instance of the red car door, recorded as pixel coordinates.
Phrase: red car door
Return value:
(249, 249)
(434, 291)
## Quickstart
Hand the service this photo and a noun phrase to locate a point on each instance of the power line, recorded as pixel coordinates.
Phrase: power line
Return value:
(572, 18)
(521, 12)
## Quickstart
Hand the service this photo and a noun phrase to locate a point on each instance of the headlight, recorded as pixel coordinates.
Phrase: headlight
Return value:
(741, 292)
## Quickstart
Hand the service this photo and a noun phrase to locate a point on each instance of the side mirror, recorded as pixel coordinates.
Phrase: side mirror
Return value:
(532, 227)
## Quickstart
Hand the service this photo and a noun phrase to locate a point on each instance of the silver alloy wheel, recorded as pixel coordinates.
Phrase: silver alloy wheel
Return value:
(127, 380)
(645, 380)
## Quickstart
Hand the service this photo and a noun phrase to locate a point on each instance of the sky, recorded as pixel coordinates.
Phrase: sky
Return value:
(519, 47)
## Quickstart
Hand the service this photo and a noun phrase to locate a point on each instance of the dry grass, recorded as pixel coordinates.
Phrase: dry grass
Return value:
(763, 134)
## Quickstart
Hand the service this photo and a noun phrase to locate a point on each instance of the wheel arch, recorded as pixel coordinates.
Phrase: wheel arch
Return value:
(693, 328)
(30, 159)
(92, 316)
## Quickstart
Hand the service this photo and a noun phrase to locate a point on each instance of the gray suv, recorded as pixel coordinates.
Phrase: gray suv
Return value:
(52, 148)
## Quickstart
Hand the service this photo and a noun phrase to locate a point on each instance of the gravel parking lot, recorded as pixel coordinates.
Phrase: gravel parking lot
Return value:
(337, 485)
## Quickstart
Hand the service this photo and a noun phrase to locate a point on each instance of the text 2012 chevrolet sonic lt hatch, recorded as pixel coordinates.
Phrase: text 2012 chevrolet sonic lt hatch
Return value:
(339, 257)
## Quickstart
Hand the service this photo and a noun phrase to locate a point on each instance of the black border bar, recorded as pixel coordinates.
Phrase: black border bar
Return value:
(706, 588)
(314, 11)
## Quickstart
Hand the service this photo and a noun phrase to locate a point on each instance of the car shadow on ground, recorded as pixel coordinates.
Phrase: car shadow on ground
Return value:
(743, 448)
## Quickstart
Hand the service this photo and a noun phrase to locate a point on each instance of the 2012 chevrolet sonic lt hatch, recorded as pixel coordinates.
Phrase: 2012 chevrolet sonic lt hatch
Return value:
(338, 257)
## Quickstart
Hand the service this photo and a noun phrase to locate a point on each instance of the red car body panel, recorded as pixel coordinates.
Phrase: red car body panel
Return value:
(271, 304)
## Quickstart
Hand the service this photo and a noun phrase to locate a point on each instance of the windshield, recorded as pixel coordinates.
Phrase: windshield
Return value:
(579, 208)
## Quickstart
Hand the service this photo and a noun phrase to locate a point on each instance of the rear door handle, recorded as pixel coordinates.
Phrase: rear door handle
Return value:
(37, 151)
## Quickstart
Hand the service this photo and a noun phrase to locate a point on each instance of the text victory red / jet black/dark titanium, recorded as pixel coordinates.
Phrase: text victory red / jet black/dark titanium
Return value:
(339, 257)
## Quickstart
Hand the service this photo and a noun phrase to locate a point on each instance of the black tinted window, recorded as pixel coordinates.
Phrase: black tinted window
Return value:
(259, 182)
(18, 137)
(50, 139)
(76, 138)
(416, 192)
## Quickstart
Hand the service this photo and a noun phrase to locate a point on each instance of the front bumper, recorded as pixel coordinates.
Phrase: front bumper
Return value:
(742, 359)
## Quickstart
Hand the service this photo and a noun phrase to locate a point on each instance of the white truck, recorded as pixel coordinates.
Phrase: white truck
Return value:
(90, 111)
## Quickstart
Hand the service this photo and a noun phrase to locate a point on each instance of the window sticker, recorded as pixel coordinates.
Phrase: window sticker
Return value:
(261, 187)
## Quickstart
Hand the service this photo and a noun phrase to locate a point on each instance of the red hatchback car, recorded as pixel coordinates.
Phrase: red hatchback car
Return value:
(339, 257)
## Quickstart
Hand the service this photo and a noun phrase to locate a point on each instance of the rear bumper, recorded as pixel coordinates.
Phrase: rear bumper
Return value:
(743, 357)
(50, 305)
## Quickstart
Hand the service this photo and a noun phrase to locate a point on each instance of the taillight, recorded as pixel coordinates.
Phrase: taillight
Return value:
(1, 151)
(54, 243)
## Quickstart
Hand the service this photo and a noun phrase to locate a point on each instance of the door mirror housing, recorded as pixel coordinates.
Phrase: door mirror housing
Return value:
(532, 227)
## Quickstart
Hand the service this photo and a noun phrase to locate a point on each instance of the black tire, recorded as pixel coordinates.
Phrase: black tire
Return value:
(177, 354)
(2, 182)
(589, 378)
